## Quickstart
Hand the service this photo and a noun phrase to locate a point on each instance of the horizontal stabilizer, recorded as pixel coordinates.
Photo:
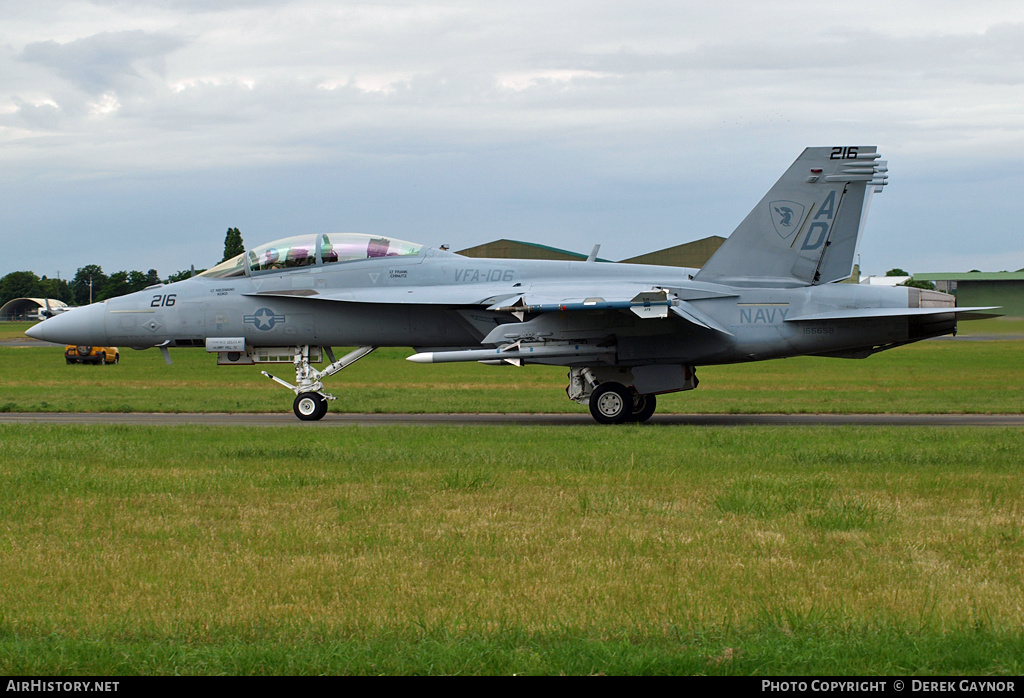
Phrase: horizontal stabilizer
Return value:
(867, 313)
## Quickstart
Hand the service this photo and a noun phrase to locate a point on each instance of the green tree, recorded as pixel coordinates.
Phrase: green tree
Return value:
(58, 289)
(910, 282)
(178, 276)
(115, 285)
(182, 275)
(233, 245)
(137, 281)
(89, 275)
(919, 284)
(121, 283)
(20, 284)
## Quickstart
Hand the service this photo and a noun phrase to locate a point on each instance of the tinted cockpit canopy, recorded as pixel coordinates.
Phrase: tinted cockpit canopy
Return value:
(312, 250)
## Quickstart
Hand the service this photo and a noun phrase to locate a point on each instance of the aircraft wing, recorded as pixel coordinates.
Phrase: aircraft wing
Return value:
(642, 300)
(647, 303)
(418, 295)
(565, 325)
(497, 299)
(576, 296)
(561, 326)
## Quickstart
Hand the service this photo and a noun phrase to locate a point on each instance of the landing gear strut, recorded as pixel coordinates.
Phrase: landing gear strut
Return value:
(310, 399)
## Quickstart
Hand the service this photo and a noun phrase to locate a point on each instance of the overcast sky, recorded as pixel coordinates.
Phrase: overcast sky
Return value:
(134, 133)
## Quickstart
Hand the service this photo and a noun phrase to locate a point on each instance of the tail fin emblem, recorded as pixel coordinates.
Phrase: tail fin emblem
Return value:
(786, 217)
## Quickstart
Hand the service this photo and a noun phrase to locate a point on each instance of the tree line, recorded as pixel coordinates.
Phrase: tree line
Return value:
(91, 284)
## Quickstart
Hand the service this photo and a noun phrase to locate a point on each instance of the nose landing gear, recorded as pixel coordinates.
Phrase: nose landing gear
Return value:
(310, 399)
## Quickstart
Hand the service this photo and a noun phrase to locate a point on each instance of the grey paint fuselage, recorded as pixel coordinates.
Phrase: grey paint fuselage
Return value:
(628, 332)
(259, 308)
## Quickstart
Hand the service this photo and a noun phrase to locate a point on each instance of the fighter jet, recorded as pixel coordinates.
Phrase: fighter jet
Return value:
(626, 332)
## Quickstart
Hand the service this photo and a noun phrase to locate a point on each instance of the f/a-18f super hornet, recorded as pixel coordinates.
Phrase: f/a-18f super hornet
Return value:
(626, 332)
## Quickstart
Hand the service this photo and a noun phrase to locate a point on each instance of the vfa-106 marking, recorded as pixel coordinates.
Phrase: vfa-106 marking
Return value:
(626, 332)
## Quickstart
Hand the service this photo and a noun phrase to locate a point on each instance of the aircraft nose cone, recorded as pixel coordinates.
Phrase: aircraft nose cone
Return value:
(77, 326)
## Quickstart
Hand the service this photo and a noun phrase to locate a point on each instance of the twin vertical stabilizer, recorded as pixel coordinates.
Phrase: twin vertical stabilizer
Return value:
(805, 229)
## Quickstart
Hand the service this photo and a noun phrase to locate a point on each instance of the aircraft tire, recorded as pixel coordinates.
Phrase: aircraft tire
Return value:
(611, 403)
(310, 407)
(643, 408)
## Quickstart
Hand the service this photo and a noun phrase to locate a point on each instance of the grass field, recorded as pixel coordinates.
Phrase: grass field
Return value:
(940, 376)
(514, 549)
(133, 550)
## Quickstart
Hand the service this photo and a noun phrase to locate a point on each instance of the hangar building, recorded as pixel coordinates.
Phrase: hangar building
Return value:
(27, 308)
(517, 249)
(983, 288)
(690, 254)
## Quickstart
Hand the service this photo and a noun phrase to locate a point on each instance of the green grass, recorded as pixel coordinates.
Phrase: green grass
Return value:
(800, 647)
(928, 377)
(491, 550)
(992, 326)
(498, 550)
(14, 330)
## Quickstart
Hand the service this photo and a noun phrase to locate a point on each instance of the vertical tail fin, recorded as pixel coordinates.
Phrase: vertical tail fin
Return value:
(806, 228)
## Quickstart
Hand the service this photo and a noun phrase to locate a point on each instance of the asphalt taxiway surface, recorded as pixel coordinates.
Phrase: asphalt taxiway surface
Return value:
(339, 420)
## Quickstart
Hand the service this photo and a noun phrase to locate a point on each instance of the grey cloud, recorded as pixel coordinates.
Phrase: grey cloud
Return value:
(103, 61)
(474, 115)
(1001, 47)
(44, 116)
(190, 6)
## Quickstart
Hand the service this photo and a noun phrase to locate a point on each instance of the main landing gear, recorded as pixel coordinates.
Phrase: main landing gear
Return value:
(310, 399)
(614, 403)
(624, 394)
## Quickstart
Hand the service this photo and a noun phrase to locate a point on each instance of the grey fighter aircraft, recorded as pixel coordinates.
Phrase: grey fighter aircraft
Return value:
(626, 332)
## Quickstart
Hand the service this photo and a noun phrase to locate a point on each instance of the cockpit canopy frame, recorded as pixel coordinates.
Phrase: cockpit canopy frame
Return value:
(311, 250)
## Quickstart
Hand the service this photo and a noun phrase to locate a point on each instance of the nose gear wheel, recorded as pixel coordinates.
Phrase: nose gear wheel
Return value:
(310, 406)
